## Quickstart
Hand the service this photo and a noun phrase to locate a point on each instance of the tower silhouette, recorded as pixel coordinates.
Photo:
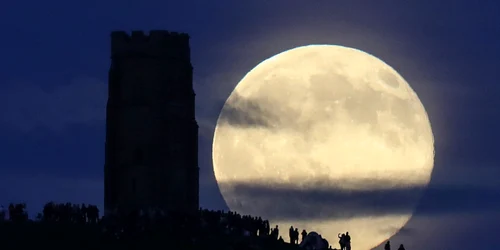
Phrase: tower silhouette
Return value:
(151, 150)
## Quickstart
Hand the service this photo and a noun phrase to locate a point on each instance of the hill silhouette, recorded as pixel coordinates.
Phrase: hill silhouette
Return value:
(73, 226)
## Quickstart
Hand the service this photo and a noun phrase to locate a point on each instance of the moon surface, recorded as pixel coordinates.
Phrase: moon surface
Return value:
(328, 139)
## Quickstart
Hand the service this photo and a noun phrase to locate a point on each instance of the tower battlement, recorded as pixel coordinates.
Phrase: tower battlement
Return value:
(158, 43)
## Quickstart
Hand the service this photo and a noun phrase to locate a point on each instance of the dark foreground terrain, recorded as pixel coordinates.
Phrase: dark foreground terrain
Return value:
(50, 235)
(69, 226)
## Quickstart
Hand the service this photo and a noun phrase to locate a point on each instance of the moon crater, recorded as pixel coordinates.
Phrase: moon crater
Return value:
(326, 138)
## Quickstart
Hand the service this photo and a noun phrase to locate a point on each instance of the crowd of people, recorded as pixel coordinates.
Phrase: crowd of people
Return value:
(70, 213)
(206, 228)
(225, 230)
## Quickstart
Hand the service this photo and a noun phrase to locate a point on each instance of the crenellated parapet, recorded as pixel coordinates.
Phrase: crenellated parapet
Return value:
(158, 43)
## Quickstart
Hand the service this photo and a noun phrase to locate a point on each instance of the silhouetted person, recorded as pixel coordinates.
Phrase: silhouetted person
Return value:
(304, 234)
(3, 212)
(401, 247)
(296, 236)
(84, 212)
(341, 241)
(387, 246)
(39, 217)
(276, 232)
(92, 214)
(347, 241)
(290, 234)
(48, 211)
(11, 212)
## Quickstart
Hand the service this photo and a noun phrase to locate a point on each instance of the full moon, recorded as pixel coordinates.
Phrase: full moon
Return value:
(328, 139)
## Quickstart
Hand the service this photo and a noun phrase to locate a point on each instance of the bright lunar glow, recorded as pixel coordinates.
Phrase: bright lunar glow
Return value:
(326, 138)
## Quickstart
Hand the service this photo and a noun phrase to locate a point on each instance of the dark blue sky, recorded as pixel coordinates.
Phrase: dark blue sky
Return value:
(54, 58)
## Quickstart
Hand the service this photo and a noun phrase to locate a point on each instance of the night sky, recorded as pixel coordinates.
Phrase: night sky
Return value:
(55, 56)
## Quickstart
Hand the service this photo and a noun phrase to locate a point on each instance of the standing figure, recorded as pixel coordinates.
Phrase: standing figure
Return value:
(387, 246)
(347, 241)
(341, 241)
(276, 232)
(3, 212)
(304, 234)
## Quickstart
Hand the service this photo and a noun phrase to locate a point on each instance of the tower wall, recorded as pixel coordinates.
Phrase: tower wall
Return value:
(151, 157)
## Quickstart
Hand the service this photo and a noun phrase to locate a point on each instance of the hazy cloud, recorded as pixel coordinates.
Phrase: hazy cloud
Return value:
(27, 106)
(212, 91)
(281, 202)
(246, 112)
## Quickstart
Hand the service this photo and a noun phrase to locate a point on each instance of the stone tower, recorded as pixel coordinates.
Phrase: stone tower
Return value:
(151, 151)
